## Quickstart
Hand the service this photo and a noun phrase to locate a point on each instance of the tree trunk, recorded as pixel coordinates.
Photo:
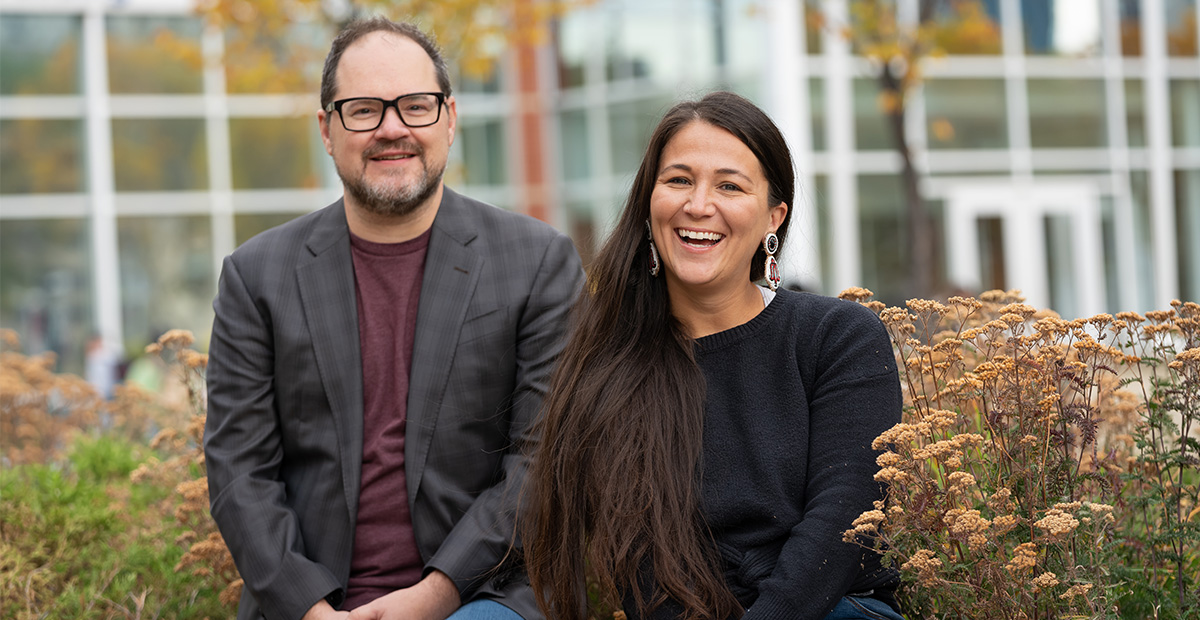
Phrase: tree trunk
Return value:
(918, 226)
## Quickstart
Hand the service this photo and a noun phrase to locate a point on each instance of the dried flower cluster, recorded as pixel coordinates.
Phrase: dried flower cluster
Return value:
(1041, 462)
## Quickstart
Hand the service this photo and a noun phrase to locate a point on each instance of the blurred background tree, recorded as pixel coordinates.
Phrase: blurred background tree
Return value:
(278, 46)
(898, 46)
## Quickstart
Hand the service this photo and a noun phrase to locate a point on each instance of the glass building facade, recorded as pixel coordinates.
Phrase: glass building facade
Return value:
(1058, 143)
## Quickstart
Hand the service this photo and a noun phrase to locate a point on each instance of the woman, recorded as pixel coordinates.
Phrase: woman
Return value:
(706, 441)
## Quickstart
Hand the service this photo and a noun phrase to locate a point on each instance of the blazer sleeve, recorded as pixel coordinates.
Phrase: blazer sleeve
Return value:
(244, 451)
(479, 542)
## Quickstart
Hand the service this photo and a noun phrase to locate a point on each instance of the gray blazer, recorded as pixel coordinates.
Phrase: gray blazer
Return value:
(283, 440)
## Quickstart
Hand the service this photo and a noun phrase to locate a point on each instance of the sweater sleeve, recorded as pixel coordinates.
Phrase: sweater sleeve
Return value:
(854, 395)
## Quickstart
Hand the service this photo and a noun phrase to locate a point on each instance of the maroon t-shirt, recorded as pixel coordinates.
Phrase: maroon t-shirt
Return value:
(387, 287)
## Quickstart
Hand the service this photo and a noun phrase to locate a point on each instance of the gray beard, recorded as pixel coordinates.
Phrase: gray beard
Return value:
(392, 201)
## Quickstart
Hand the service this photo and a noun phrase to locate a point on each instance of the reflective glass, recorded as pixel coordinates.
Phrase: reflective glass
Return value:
(1187, 231)
(40, 54)
(275, 60)
(483, 152)
(154, 54)
(581, 227)
(1061, 27)
(1185, 112)
(966, 114)
(1131, 27)
(814, 24)
(1143, 242)
(274, 153)
(1135, 113)
(881, 226)
(1181, 27)
(167, 278)
(246, 225)
(870, 121)
(638, 46)
(41, 156)
(816, 103)
(630, 125)
(159, 154)
(1067, 113)
(968, 27)
(573, 140)
(46, 287)
(573, 37)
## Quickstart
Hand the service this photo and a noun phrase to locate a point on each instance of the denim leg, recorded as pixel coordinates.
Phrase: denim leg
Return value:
(484, 609)
(857, 608)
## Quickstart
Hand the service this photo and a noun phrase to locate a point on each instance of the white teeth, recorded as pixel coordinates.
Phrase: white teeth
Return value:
(700, 236)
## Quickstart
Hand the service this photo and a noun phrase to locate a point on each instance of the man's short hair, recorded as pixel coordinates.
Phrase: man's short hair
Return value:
(359, 28)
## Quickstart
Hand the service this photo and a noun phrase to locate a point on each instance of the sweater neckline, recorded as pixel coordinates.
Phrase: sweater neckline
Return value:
(740, 332)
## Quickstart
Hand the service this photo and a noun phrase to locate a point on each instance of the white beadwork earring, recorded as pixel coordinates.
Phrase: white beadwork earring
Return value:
(771, 266)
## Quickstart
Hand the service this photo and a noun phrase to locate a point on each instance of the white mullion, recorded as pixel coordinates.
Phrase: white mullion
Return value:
(839, 126)
(1016, 91)
(595, 84)
(787, 101)
(106, 276)
(220, 167)
(1158, 146)
(1118, 152)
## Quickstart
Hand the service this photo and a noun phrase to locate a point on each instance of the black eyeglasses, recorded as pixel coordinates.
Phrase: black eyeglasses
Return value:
(366, 113)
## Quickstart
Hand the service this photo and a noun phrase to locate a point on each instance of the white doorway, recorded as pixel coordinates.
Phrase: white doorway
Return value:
(1049, 241)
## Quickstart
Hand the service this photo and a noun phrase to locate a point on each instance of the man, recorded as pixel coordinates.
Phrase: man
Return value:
(376, 366)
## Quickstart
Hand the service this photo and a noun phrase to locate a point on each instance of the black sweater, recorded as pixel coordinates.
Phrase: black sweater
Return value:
(794, 399)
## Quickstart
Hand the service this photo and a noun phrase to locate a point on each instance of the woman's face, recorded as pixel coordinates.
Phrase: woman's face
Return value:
(708, 210)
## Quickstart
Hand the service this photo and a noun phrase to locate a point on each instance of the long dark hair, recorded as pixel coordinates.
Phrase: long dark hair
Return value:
(614, 490)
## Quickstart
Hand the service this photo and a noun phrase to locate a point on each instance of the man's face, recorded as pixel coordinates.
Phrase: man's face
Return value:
(394, 169)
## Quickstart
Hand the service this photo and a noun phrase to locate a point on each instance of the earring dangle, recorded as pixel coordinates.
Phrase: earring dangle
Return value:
(771, 266)
(655, 265)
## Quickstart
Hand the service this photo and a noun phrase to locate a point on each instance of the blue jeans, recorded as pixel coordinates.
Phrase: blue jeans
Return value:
(861, 608)
(484, 609)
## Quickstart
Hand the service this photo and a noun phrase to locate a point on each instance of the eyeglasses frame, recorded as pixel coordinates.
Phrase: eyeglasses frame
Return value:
(336, 106)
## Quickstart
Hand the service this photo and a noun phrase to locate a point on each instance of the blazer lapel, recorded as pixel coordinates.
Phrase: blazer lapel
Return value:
(452, 269)
(326, 283)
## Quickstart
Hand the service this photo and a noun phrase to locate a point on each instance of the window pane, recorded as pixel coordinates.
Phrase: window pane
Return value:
(966, 114)
(631, 124)
(968, 27)
(1185, 112)
(268, 61)
(45, 286)
(816, 103)
(638, 46)
(573, 135)
(39, 55)
(1139, 187)
(166, 277)
(573, 38)
(274, 153)
(154, 55)
(1061, 27)
(246, 225)
(1187, 230)
(870, 123)
(1131, 27)
(881, 226)
(1181, 27)
(159, 154)
(1066, 114)
(1135, 113)
(483, 153)
(41, 156)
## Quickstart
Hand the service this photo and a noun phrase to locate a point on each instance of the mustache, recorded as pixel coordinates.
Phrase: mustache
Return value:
(393, 145)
